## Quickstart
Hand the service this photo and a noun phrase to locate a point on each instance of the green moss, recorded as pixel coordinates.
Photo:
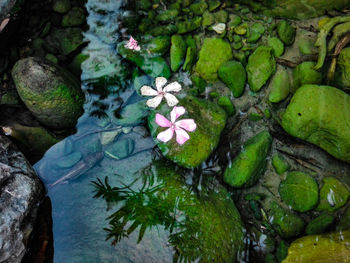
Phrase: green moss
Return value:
(75, 17)
(279, 164)
(342, 76)
(61, 6)
(279, 86)
(233, 74)
(199, 7)
(319, 115)
(212, 55)
(167, 15)
(210, 120)
(261, 65)
(304, 74)
(319, 224)
(299, 191)
(277, 46)
(333, 195)
(227, 105)
(177, 52)
(246, 169)
(189, 25)
(286, 223)
(286, 32)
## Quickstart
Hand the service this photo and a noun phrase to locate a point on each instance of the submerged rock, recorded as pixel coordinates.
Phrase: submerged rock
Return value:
(212, 55)
(261, 65)
(299, 191)
(333, 195)
(20, 194)
(210, 119)
(246, 169)
(332, 247)
(51, 93)
(320, 115)
(233, 74)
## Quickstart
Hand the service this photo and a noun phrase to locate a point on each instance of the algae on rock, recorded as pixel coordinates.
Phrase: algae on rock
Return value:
(233, 74)
(246, 169)
(320, 115)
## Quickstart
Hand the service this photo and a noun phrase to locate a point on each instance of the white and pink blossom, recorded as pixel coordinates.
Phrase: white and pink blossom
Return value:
(178, 127)
(132, 44)
(161, 93)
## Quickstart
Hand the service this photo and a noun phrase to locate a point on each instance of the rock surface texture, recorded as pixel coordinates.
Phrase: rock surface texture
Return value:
(20, 194)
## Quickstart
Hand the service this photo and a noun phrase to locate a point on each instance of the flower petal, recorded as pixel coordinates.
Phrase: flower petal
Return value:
(172, 87)
(153, 103)
(162, 121)
(166, 135)
(148, 91)
(187, 124)
(160, 82)
(171, 99)
(176, 113)
(181, 136)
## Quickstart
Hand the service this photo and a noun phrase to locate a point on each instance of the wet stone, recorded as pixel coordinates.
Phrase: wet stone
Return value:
(120, 149)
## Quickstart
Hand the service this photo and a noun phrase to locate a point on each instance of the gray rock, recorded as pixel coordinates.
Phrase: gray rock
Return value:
(20, 193)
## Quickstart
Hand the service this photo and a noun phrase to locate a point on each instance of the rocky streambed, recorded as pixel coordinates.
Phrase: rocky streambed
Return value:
(251, 165)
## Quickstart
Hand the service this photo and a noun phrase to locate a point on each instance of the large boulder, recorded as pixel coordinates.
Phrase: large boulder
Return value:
(320, 115)
(20, 193)
(50, 92)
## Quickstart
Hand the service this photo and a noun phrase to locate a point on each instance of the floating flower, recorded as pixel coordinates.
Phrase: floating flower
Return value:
(178, 127)
(132, 44)
(161, 93)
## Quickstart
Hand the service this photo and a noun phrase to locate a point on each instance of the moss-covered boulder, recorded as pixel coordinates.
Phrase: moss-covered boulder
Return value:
(246, 169)
(51, 93)
(155, 66)
(333, 195)
(214, 52)
(277, 45)
(210, 120)
(286, 223)
(320, 115)
(199, 8)
(177, 52)
(332, 247)
(286, 32)
(227, 105)
(319, 224)
(342, 75)
(233, 74)
(167, 15)
(279, 86)
(299, 191)
(304, 74)
(189, 25)
(158, 45)
(261, 65)
(279, 163)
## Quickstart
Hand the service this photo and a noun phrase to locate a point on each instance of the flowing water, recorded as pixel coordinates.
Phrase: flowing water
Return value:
(115, 198)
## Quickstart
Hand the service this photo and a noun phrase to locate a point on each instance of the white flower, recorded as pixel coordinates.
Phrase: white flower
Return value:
(219, 28)
(161, 93)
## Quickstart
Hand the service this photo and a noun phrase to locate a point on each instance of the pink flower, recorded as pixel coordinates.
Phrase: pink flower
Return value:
(4, 23)
(132, 44)
(178, 127)
(161, 93)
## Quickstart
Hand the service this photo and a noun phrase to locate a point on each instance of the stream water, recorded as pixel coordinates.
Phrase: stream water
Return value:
(115, 198)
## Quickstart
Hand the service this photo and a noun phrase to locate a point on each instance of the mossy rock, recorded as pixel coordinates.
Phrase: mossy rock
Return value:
(279, 86)
(158, 45)
(155, 66)
(305, 73)
(333, 195)
(319, 224)
(227, 105)
(66, 40)
(208, 19)
(286, 32)
(167, 15)
(279, 164)
(199, 7)
(277, 45)
(299, 191)
(320, 115)
(342, 75)
(189, 25)
(214, 52)
(233, 74)
(75, 17)
(61, 6)
(286, 223)
(246, 169)
(333, 247)
(177, 52)
(51, 93)
(261, 65)
(210, 119)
